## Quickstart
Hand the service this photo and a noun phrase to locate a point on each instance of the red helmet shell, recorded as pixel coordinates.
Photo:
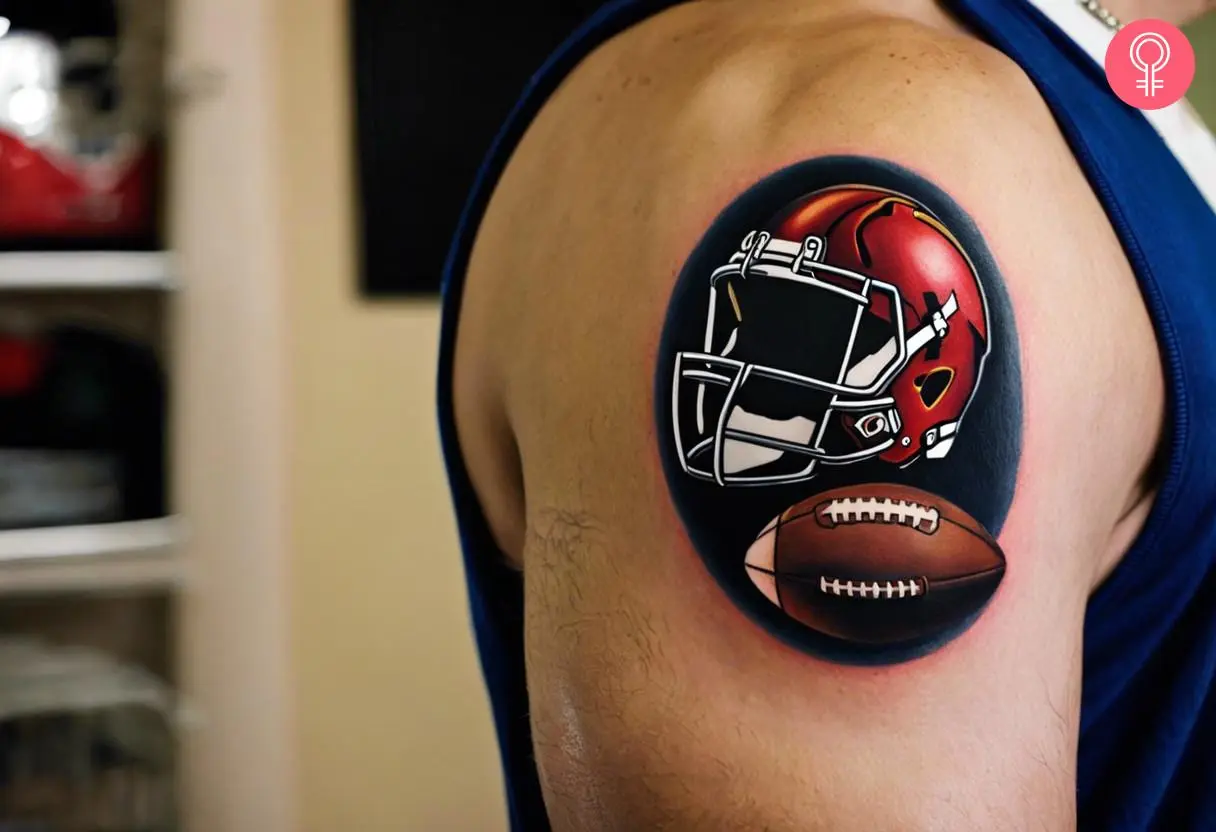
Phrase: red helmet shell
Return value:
(890, 238)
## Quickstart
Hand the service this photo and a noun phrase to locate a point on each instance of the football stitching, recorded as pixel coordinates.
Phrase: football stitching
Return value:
(849, 510)
(910, 588)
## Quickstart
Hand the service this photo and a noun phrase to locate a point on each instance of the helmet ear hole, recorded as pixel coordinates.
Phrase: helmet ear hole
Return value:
(932, 386)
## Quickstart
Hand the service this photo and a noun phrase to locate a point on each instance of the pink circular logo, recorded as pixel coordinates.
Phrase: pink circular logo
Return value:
(1150, 64)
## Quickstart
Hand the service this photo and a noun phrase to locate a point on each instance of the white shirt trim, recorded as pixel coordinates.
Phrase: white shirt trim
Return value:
(1178, 125)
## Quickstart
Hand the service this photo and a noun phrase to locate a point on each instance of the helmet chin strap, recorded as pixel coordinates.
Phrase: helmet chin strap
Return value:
(935, 327)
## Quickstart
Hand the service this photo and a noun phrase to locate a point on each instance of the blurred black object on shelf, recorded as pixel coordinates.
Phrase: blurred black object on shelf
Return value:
(434, 82)
(81, 117)
(63, 20)
(82, 429)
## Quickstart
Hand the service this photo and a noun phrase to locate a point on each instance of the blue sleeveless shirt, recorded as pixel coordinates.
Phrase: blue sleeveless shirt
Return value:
(1147, 756)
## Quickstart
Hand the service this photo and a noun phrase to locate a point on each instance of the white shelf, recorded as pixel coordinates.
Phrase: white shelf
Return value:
(86, 270)
(111, 556)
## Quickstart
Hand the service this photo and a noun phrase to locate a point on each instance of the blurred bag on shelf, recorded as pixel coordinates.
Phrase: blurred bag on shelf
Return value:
(81, 115)
(82, 428)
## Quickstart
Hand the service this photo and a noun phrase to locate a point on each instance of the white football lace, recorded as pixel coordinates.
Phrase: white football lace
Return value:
(883, 510)
(871, 589)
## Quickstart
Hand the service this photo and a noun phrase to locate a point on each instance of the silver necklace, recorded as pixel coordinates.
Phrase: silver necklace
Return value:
(1099, 11)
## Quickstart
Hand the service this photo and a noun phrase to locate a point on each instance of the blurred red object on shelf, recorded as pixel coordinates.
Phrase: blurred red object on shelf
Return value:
(47, 194)
(81, 115)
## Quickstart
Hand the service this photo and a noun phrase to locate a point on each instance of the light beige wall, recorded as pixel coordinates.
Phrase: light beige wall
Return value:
(393, 731)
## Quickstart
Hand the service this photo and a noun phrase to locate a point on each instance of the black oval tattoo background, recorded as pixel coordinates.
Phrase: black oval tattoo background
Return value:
(977, 475)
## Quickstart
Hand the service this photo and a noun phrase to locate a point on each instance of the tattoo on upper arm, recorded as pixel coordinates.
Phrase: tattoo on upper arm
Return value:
(840, 411)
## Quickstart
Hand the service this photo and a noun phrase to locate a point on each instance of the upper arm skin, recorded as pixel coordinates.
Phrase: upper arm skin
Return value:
(663, 697)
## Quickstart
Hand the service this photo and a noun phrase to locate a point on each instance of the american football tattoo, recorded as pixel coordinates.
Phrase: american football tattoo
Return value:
(826, 344)
(877, 564)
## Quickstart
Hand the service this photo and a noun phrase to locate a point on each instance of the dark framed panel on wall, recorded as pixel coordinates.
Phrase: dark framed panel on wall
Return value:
(433, 83)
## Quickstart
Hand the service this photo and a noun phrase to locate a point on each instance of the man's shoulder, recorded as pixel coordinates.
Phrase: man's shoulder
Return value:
(706, 271)
(655, 135)
(726, 73)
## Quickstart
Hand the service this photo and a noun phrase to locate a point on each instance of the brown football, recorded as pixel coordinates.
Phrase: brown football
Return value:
(877, 564)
